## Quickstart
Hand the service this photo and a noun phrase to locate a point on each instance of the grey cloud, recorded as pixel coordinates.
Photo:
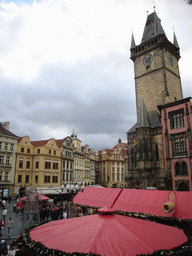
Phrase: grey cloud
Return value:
(59, 98)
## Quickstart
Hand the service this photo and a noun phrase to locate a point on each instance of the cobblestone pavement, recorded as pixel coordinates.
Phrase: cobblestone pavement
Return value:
(17, 222)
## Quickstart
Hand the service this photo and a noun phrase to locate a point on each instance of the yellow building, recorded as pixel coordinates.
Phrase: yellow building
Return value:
(38, 163)
(87, 166)
(112, 164)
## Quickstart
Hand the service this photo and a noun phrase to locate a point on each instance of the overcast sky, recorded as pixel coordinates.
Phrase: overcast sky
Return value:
(65, 65)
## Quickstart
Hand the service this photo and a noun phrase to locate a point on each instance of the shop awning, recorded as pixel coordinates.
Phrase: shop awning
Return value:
(143, 201)
(48, 191)
(40, 197)
(97, 197)
(184, 205)
(151, 202)
(108, 235)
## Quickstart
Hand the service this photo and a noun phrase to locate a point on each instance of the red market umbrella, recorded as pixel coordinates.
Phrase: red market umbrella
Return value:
(107, 235)
(41, 198)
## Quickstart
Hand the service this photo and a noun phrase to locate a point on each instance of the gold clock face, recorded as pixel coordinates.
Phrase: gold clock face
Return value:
(170, 58)
(147, 59)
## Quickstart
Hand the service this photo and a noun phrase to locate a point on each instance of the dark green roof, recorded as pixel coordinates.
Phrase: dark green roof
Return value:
(153, 119)
(142, 120)
(152, 28)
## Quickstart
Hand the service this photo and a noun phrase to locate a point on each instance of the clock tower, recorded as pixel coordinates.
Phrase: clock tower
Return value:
(157, 82)
(157, 77)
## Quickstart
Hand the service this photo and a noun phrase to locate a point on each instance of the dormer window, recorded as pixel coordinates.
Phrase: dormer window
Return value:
(149, 22)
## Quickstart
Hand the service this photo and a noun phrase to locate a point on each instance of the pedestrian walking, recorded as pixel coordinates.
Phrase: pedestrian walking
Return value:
(4, 213)
(10, 224)
(3, 204)
(2, 226)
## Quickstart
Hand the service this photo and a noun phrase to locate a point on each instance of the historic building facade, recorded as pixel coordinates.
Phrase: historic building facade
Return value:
(83, 163)
(38, 163)
(157, 82)
(92, 167)
(8, 145)
(67, 161)
(176, 120)
(112, 165)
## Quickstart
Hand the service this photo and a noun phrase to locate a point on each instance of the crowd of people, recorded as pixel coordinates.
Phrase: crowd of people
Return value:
(55, 212)
(14, 248)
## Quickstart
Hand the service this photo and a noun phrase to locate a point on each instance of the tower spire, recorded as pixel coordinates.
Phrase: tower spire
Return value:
(175, 42)
(143, 119)
(152, 28)
(132, 41)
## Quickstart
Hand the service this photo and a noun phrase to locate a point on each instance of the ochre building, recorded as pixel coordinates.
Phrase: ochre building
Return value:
(112, 164)
(37, 163)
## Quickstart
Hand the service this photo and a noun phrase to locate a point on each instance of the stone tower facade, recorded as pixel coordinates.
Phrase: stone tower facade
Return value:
(157, 82)
(157, 76)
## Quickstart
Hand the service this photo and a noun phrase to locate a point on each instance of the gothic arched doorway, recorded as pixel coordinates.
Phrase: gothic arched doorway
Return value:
(183, 187)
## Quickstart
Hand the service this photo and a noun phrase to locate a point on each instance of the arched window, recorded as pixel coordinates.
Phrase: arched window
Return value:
(146, 149)
(140, 150)
(184, 169)
(177, 169)
(156, 152)
(183, 187)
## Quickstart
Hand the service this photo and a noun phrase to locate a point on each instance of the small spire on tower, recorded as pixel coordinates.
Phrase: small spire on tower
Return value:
(132, 41)
(175, 42)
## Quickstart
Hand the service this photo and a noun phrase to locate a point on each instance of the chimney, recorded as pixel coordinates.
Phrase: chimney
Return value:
(5, 125)
(119, 141)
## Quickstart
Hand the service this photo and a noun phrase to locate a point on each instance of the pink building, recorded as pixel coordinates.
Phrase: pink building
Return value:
(176, 121)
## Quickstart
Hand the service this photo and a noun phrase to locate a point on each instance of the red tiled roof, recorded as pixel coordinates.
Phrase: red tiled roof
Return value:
(6, 132)
(120, 145)
(39, 143)
(60, 142)
(20, 139)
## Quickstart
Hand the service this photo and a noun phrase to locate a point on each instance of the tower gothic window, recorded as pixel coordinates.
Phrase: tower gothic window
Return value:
(184, 168)
(179, 144)
(177, 169)
(181, 169)
(156, 152)
(176, 119)
(146, 149)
